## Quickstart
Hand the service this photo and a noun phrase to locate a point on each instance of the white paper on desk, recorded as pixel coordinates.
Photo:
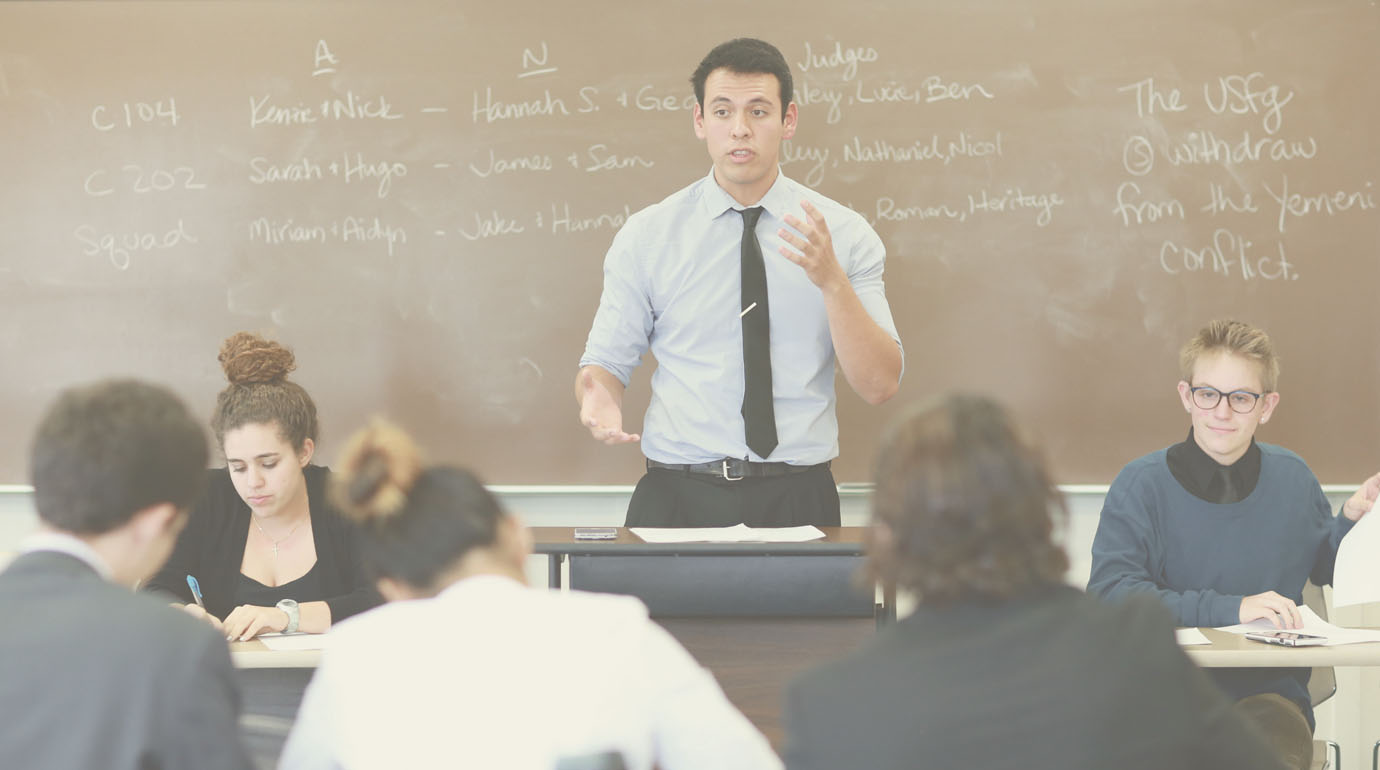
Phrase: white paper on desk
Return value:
(739, 533)
(1188, 637)
(1312, 624)
(296, 641)
(1356, 576)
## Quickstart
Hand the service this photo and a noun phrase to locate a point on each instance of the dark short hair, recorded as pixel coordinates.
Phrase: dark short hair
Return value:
(963, 507)
(106, 451)
(745, 56)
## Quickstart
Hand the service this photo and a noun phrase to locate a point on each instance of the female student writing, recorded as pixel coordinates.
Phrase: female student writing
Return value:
(461, 665)
(264, 544)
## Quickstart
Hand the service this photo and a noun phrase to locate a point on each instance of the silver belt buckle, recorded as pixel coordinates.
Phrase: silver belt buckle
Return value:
(725, 470)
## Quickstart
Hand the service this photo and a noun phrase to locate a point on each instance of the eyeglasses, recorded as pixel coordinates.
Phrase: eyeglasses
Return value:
(1240, 401)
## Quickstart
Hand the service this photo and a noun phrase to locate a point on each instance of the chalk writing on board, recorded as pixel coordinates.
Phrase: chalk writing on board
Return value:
(135, 178)
(120, 248)
(492, 164)
(490, 226)
(808, 94)
(1228, 253)
(599, 158)
(489, 110)
(845, 59)
(1014, 200)
(160, 112)
(889, 210)
(1220, 201)
(349, 106)
(346, 230)
(1248, 94)
(564, 222)
(647, 99)
(814, 158)
(932, 89)
(963, 145)
(350, 167)
(1298, 205)
(1150, 100)
(324, 60)
(1133, 210)
(534, 63)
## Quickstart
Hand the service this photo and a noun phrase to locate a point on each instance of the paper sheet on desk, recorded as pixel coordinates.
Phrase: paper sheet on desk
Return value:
(1312, 624)
(1188, 637)
(293, 641)
(1356, 576)
(739, 533)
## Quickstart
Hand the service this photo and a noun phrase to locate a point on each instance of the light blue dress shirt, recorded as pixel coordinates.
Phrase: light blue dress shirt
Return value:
(672, 284)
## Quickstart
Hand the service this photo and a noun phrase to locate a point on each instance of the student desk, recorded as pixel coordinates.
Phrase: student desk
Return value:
(755, 614)
(1236, 651)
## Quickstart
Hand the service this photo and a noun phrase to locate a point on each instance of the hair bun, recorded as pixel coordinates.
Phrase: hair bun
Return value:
(376, 472)
(248, 358)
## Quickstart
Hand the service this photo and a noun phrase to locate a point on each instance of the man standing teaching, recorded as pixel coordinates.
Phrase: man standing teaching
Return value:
(746, 286)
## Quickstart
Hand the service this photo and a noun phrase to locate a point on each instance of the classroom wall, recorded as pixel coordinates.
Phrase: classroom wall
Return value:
(1352, 717)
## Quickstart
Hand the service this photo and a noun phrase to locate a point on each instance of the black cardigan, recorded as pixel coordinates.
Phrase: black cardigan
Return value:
(212, 549)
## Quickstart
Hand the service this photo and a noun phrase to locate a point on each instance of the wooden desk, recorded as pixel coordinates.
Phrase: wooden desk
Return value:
(755, 614)
(256, 654)
(1236, 651)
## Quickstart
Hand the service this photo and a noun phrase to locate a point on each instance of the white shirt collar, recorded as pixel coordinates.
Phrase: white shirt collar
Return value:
(63, 542)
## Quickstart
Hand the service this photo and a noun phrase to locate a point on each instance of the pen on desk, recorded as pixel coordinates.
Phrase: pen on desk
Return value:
(196, 591)
(746, 309)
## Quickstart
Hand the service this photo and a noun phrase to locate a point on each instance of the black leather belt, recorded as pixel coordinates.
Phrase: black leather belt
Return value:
(731, 469)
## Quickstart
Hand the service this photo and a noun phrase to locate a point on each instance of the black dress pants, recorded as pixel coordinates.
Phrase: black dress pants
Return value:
(667, 498)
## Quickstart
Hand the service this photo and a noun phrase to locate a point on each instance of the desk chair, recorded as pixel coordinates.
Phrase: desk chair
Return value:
(609, 760)
(1322, 684)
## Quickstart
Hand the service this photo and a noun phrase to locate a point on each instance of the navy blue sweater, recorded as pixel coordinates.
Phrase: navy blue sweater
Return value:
(1202, 558)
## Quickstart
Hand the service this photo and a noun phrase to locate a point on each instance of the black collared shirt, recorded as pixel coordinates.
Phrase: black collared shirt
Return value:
(1208, 480)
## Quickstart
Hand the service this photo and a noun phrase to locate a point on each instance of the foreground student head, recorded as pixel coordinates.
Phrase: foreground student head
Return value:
(267, 550)
(116, 465)
(456, 664)
(1002, 665)
(963, 508)
(92, 675)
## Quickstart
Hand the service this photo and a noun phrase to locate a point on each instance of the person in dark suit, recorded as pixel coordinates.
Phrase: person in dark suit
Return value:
(1002, 665)
(93, 675)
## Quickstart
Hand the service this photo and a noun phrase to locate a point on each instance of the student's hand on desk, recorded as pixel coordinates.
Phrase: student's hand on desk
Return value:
(197, 611)
(248, 621)
(1358, 504)
(601, 414)
(815, 250)
(1277, 609)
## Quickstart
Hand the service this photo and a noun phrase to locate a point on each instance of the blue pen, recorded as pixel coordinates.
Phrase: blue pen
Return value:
(196, 591)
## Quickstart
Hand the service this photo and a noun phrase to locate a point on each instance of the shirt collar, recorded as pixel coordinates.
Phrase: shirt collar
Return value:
(71, 545)
(777, 202)
(1197, 471)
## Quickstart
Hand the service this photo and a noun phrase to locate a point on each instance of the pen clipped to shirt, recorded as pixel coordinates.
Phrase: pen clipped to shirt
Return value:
(196, 591)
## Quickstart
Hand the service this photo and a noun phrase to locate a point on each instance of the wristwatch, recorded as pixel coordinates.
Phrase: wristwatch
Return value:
(290, 607)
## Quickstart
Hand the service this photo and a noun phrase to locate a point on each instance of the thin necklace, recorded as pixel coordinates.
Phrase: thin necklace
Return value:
(284, 538)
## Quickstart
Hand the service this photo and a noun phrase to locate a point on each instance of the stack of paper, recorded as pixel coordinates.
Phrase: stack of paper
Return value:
(1312, 624)
(740, 533)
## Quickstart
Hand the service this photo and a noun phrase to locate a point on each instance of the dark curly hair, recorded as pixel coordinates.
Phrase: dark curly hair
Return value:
(260, 392)
(963, 507)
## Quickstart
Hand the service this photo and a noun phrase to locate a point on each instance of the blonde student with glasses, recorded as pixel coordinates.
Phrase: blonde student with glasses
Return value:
(1225, 529)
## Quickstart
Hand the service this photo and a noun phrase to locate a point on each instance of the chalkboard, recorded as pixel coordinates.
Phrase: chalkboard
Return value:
(418, 196)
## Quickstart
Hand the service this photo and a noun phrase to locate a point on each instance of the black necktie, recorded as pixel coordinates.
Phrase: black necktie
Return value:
(759, 416)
